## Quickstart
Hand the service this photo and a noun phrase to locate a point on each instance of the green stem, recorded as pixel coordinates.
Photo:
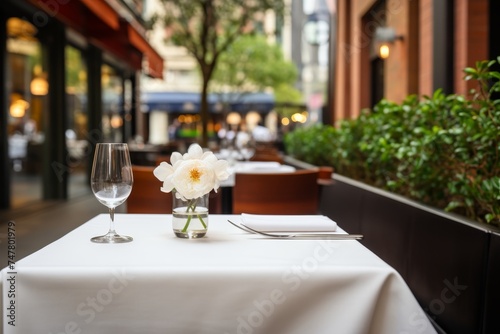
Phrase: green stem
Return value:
(192, 206)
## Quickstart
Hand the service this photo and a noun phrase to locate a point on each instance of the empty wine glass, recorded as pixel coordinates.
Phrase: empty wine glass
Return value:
(111, 183)
(247, 152)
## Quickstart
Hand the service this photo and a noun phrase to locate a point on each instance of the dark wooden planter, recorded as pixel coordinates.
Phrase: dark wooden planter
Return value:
(451, 264)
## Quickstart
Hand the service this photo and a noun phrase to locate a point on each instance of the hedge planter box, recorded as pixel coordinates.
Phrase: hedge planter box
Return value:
(451, 264)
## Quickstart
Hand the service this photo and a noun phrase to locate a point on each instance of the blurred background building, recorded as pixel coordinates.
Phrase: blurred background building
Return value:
(69, 76)
(303, 34)
(426, 44)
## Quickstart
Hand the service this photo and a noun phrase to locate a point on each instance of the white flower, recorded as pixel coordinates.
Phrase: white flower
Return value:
(193, 174)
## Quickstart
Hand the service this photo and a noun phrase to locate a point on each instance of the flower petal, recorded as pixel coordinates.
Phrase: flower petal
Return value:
(178, 164)
(209, 157)
(174, 157)
(221, 170)
(168, 186)
(163, 171)
(194, 152)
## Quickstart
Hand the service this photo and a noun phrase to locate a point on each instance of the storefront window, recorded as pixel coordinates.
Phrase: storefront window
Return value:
(77, 127)
(112, 114)
(27, 89)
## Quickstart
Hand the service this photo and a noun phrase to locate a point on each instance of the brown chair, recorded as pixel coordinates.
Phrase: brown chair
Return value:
(267, 154)
(325, 177)
(162, 158)
(277, 193)
(146, 196)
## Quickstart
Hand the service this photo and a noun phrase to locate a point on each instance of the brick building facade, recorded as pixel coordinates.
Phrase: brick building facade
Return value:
(437, 39)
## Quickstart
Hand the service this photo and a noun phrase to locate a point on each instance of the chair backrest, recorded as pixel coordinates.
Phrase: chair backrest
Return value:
(162, 158)
(267, 154)
(276, 193)
(146, 196)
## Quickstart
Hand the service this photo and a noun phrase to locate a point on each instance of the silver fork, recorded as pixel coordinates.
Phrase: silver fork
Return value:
(240, 227)
(329, 236)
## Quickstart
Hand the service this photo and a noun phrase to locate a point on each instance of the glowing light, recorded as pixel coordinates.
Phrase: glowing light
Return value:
(252, 118)
(299, 117)
(116, 121)
(233, 118)
(39, 86)
(384, 51)
(18, 108)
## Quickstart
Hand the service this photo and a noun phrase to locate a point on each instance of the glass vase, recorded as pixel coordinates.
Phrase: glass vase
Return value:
(190, 217)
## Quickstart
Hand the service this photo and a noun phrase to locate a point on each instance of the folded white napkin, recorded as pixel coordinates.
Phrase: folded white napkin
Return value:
(289, 223)
(253, 165)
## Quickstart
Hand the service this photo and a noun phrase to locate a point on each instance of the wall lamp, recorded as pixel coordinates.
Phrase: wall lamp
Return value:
(384, 36)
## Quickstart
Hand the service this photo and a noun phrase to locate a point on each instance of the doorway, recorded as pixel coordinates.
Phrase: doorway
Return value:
(76, 133)
(27, 89)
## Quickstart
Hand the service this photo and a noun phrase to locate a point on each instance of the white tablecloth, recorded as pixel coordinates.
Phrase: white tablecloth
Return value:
(255, 167)
(227, 282)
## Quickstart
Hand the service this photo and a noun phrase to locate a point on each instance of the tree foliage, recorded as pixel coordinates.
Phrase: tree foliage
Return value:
(207, 28)
(252, 64)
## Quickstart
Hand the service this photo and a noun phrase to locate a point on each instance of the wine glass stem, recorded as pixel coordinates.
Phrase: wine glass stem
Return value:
(112, 221)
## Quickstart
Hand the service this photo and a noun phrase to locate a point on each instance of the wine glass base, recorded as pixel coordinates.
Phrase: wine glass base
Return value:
(111, 239)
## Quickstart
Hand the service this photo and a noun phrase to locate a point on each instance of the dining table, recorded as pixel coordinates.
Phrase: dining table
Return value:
(230, 281)
(255, 167)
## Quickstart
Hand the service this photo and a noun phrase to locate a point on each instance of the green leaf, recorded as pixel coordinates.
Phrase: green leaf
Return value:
(453, 205)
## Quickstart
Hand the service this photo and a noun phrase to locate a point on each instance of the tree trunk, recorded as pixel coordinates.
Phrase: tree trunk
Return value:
(204, 113)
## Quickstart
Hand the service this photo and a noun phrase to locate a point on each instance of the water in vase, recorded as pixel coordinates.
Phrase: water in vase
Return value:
(190, 224)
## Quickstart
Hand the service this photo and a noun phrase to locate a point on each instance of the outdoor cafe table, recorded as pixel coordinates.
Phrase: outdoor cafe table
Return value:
(228, 282)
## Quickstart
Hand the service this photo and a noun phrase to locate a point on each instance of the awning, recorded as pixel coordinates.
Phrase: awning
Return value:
(189, 102)
(176, 102)
(153, 60)
(260, 102)
(111, 26)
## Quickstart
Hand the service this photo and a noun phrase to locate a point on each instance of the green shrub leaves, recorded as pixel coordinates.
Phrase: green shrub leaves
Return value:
(442, 150)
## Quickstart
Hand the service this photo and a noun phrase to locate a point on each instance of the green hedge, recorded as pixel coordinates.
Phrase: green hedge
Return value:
(442, 150)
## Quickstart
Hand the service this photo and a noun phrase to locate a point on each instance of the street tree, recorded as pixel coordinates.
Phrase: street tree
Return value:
(207, 28)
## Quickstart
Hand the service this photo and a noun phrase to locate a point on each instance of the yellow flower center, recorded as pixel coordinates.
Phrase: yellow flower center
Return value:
(195, 175)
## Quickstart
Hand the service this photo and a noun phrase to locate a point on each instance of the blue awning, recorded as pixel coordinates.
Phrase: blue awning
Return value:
(188, 102)
(260, 102)
(179, 102)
